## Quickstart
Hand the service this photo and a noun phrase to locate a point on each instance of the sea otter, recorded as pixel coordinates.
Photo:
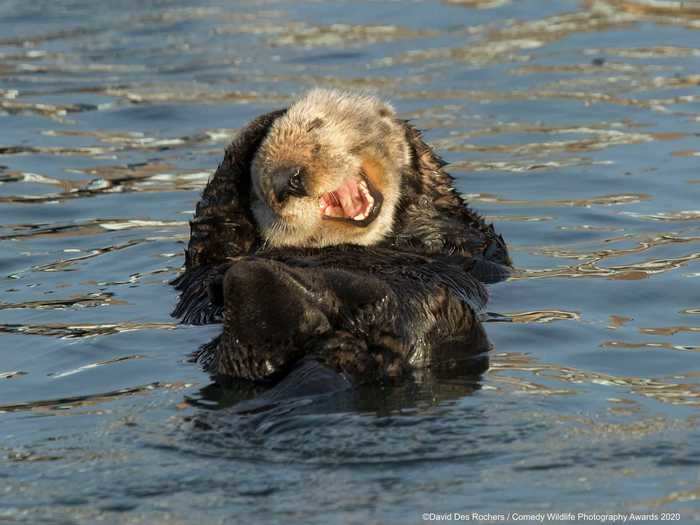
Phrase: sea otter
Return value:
(331, 234)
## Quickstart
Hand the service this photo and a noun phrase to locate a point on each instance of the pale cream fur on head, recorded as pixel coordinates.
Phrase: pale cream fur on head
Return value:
(333, 135)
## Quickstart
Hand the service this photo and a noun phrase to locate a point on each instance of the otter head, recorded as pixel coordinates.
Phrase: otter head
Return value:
(329, 172)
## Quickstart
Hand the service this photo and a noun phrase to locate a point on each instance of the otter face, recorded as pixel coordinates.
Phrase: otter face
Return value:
(329, 172)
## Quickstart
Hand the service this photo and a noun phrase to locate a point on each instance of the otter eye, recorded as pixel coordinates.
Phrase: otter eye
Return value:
(295, 183)
(287, 181)
(315, 123)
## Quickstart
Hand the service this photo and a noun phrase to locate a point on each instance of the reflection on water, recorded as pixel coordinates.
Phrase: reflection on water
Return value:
(573, 125)
(667, 390)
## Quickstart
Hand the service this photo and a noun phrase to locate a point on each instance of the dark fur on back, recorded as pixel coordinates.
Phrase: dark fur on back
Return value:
(372, 312)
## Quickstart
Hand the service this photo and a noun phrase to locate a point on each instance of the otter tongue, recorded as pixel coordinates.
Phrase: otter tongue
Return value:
(351, 200)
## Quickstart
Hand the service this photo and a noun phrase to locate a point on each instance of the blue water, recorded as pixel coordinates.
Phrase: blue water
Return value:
(572, 125)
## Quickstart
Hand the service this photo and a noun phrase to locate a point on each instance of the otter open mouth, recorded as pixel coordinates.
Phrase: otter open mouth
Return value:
(355, 201)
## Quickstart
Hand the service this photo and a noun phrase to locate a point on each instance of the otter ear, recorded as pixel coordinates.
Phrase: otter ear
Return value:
(223, 224)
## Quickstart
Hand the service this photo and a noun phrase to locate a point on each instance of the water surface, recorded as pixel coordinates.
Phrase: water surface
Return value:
(573, 125)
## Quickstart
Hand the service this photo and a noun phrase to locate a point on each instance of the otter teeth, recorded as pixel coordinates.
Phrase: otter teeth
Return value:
(370, 202)
(351, 200)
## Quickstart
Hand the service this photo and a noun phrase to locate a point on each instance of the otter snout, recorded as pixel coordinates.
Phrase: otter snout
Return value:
(287, 181)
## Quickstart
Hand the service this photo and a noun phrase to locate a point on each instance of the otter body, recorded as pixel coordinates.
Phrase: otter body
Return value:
(331, 232)
(371, 313)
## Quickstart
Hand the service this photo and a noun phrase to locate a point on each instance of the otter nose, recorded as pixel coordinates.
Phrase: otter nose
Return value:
(288, 181)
